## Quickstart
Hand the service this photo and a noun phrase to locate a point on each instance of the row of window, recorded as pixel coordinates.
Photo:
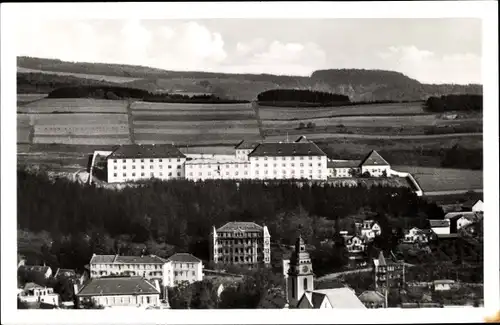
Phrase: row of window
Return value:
(275, 172)
(142, 160)
(289, 158)
(181, 273)
(291, 164)
(209, 174)
(150, 174)
(129, 266)
(150, 167)
(234, 165)
(238, 234)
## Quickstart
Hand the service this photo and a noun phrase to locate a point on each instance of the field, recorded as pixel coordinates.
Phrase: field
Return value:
(74, 105)
(445, 179)
(27, 98)
(193, 124)
(79, 75)
(304, 113)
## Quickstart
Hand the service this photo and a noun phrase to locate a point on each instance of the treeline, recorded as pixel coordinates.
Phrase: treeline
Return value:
(41, 83)
(116, 93)
(182, 213)
(302, 96)
(459, 157)
(455, 103)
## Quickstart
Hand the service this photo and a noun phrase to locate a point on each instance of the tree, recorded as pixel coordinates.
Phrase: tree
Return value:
(301, 125)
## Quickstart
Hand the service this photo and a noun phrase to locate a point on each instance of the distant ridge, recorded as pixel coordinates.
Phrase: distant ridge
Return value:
(358, 84)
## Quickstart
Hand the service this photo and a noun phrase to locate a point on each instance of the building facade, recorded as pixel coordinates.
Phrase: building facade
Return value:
(440, 227)
(354, 244)
(343, 168)
(387, 273)
(142, 162)
(288, 160)
(243, 243)
(368, 229)
(203, 169)
(183, 267)
(118, 291)
(375, 165)
(35, 293)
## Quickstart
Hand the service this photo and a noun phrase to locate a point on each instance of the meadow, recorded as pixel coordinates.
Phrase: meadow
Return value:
(305, 113)
(27, 98)
(74, 105)
(445, 179)
(194, 124)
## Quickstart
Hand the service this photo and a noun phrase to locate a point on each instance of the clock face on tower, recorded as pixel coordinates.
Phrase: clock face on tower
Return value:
(305, 269)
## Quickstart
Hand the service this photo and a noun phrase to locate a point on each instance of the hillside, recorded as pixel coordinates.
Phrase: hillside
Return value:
(359, 85)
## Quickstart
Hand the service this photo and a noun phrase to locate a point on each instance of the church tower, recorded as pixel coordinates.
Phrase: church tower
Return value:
(300, 275)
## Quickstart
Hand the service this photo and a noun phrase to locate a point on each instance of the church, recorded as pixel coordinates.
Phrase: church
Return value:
(300, 285)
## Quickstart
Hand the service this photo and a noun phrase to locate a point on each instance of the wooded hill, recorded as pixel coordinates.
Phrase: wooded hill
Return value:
(358, 84)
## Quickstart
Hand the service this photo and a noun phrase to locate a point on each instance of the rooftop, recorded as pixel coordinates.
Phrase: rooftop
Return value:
(117, 286)
(146, 151)
(470, 203)
(184, 257)
(242, 226)
(374, 159)
(287, 149)
(371, 296)
(457, 215)
(439, 223)
(302, 139)
(108, 259)
(338, 297)
(245, 145)
(216, 160)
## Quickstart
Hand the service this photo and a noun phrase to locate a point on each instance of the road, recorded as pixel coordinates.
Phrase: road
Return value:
(326, 136)
(452, 192)
(337, 274)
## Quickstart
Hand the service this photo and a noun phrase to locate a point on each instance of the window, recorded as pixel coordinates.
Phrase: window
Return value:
(192, 273)
(265, 165)
(319, 164)
(160, 160)
(124, 167)
(256, 165)
(310, 158)
(170, 174)
(310, 164)
(116, 167)
(275, 172)
(265, 158)
(133, 166)
(150, 166)
(283, 164)
(301, 158)
(227, 173)
(115, 174)
(161, 166)
(178, 159)
(274, 165)
(142, 167)
(178, 174)
(142, 160)
(236, 173)
(150, 160)
(178, 166)
(133, 174)
(265, 172)
(246, 173)
(115, 160)
(124, 174)
(152, 174)
(124, 160)
(257, 172)
(305, 284)
(282, 158)
(293, 165)
(169, 166)
(161, 174)
(142, 174)
(209, 174)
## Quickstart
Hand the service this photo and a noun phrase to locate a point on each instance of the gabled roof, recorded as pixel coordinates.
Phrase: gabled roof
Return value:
(246, 145)
(184, 257)
(458, 215)
(37, 268)
(65, 272)
(117, 286)
(343, 163)
(374, 159)
(381, 259)
(146, 151)
(32, 285)
(470, 203)
(287, 149)
(439, 223)
(237, 225)
(121, 259)
(371, 296)
(302, 139)
(102, 259)
(338, 298)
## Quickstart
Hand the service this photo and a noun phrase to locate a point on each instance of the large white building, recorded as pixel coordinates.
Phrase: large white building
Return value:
(141, 162)
(169, 272)
(217, 168)
(243, 243)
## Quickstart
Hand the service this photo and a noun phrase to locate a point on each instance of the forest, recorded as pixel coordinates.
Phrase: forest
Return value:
(41, 83)
(179, 215)
(117, 93)
(470, 103)
(302, 96)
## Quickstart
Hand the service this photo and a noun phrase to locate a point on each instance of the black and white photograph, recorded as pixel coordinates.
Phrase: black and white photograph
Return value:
(211, 160)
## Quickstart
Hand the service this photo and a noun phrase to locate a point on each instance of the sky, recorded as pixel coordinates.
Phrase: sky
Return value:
(441, 50)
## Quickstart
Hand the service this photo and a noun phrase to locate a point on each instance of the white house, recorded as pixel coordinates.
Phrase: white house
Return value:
(244, 148)
(416, 235)
(375, 165)
(368, 229)
(474, 206)
(119, 291)
(35, 293)
(354, 244)
(183, 267)
(440, 227)
(442, 285)
(288, 160)
(141, 162)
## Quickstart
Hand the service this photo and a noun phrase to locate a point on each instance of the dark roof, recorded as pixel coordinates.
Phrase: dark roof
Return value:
(439, 223)
(37, 268)
(302, 139)
(184, 257)
(246, 145)
(117, 286)
(470, 203)
(245, 226)
(343, 164)
(444, 281)
(65, 272)
(102, 259)
(146, 151)
(287, 149)
(374, 159)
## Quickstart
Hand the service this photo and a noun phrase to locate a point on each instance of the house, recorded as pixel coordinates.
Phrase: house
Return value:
(240, 243)
(300, 285)
(416, 235)
(133, 162)
(217, 168)
(46, 271)
(354, 244)
(244, 148)
(118, 291)
(375, 165)
(368, 229)
(169, 272)
(473, 205)
(440, 227)
(442, 285)
(182, 267)
(372, 299)
(342, 168)
(458, 220)
(288, 160)
(387, 273)
(34, 293)
(68, 273)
